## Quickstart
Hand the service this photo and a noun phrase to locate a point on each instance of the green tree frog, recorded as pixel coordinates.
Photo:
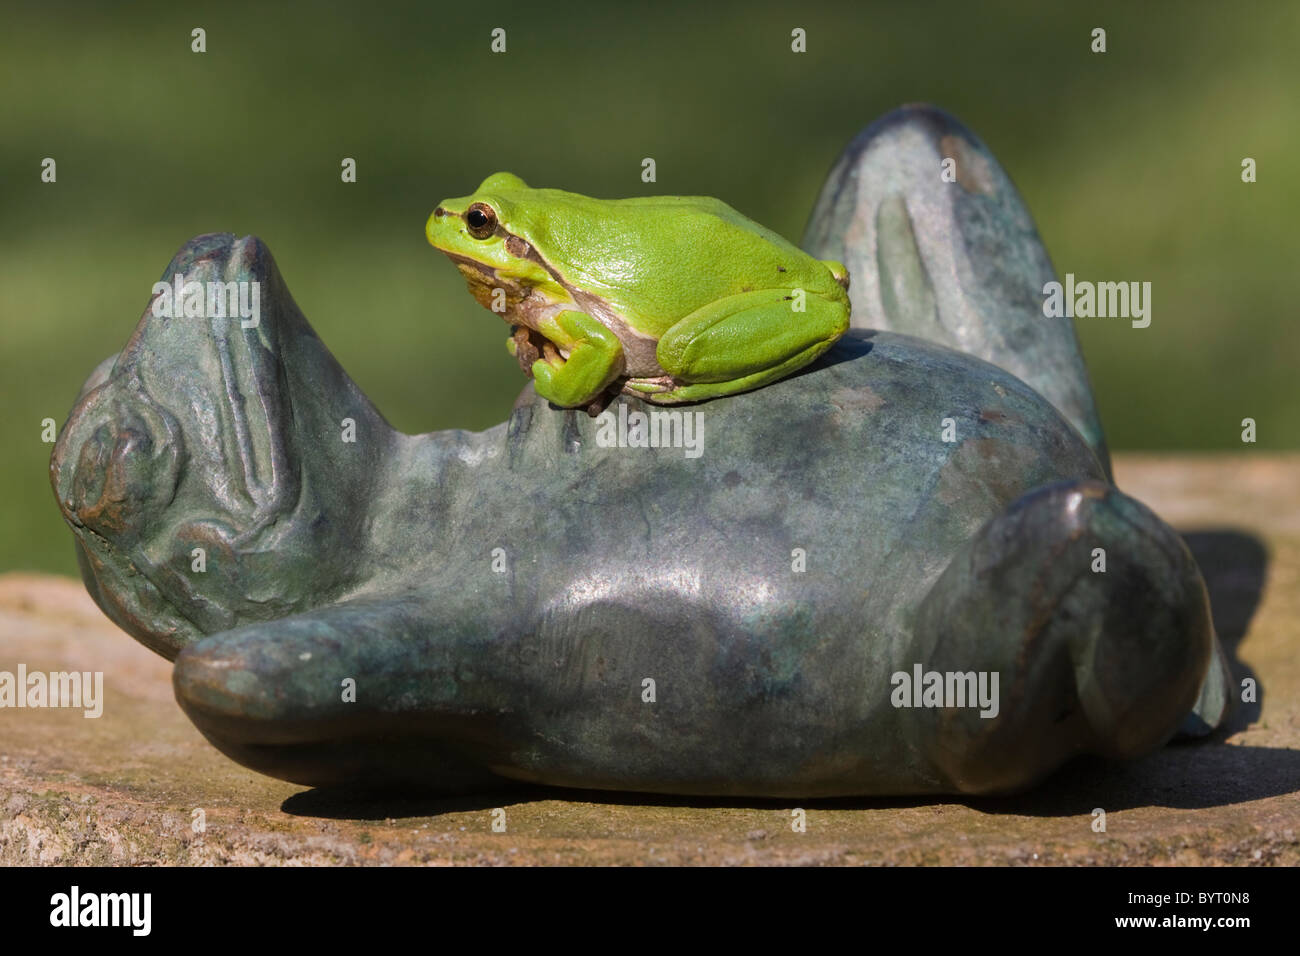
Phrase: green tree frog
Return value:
(678, 298)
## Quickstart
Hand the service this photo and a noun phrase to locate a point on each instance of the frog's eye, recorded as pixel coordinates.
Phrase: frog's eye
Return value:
(481, 219)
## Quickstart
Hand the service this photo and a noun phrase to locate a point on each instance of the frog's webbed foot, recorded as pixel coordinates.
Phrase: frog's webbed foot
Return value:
(363, 691)
(1095, 616)
(594, 361)
(529, 346)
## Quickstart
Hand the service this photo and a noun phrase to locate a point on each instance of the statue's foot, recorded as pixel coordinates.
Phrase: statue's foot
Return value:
(1094, 615)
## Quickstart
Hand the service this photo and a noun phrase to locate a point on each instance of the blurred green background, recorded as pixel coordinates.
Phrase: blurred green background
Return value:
(1129, 161)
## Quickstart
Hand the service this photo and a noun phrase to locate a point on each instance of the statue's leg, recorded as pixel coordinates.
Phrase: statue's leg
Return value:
(1094, 615)
(366, 692)
(939, 244)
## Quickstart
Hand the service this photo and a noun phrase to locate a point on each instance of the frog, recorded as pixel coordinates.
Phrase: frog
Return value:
(671, 299)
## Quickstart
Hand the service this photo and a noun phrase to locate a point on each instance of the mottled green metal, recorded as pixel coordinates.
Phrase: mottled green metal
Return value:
(939, 244)
(376, 561)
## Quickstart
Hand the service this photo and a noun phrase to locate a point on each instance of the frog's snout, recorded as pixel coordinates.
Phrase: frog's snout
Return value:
(443, 228)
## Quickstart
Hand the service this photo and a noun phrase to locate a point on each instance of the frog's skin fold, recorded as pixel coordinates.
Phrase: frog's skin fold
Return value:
(356, 624)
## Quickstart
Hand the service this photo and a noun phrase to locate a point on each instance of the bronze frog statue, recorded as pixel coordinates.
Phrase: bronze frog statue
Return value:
(901, 570)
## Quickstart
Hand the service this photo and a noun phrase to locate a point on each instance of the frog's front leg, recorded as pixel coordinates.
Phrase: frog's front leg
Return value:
(595, 360)
(745, 341)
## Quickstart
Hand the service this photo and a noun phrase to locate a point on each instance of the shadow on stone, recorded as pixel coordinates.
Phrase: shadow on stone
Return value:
(1234, 565)
(1189, 777)
(352, 804)
(854, 345)
(1185, 777)
(334, 803)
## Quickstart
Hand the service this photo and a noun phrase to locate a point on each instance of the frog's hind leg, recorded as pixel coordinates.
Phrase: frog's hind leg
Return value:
(746, 341)
(1094, 616)
(705, 390)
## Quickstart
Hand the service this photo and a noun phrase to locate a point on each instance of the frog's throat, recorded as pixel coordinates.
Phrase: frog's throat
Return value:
(515, 301)
(525, 305)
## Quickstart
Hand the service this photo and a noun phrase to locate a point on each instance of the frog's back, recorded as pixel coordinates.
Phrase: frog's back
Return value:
(664, 256)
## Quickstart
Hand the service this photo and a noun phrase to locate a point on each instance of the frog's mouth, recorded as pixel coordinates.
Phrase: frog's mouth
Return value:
(181, 442)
